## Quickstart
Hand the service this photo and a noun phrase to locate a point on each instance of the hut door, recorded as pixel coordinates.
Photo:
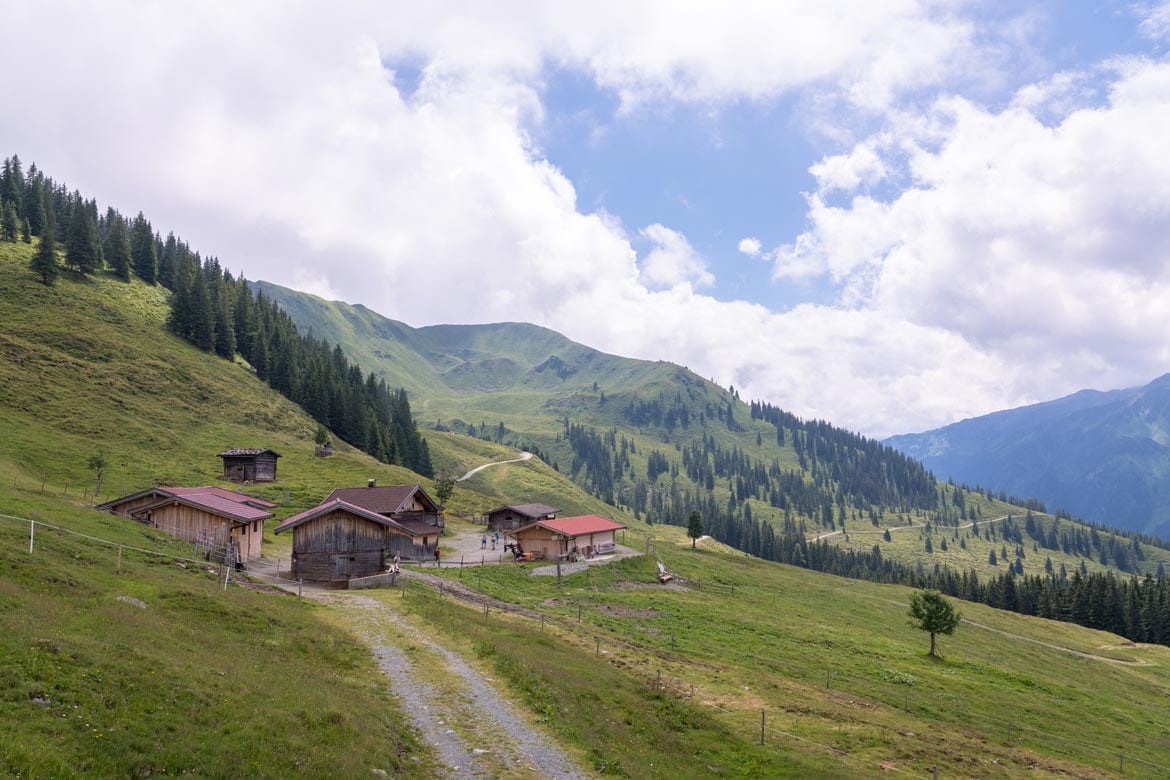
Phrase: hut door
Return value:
(249, 472)
(340, 567)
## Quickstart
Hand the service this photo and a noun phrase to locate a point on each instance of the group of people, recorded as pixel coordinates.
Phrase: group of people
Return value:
(495, 539)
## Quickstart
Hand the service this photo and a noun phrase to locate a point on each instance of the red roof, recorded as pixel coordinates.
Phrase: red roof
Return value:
(578, 526)
(216, 505)
(230, 495)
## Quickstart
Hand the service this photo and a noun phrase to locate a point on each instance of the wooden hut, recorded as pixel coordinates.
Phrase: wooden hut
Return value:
(513, 516)
(586, 535)
(337, 541)
(249, 465)
(356, 532)
(221, 523)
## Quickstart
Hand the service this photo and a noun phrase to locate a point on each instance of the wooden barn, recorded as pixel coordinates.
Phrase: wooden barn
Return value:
(356, 532)
(249, 465)
(586, 535)
(223, 523)
(338, 541)
(507, 518)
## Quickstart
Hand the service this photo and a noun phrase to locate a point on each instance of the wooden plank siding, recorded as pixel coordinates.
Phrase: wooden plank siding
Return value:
(540, 541)
(338, 546)
(126, 508)
(198, 525)
(249, 468)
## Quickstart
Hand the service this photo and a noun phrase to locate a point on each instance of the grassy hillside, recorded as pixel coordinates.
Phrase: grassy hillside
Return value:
(845, 684)
(155, 669)
(201, 680)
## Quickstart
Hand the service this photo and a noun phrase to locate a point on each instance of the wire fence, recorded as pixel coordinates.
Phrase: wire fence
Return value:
(589, 625)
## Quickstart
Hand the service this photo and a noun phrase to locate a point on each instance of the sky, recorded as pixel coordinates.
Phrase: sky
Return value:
(889, 215)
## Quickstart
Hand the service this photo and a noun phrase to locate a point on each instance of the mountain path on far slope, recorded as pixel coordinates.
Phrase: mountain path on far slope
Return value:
(905, 528)
(523, 456)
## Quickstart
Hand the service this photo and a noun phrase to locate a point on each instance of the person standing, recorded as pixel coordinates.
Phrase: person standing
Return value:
(437, 555)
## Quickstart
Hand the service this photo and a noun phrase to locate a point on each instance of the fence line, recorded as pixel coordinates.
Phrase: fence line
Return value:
(678, 689)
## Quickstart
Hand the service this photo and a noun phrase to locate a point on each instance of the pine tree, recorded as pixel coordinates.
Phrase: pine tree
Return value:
(81, 249)
(12, 184)
(34, 208)
(202, 315)
(26, 231)
(9, 222)
(142, 250)
(225, 326)
(117, 247)
(44, 262)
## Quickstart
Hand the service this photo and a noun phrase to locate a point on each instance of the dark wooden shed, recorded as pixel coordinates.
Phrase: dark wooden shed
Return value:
(249, 465)
(508, 517)
(337, 541)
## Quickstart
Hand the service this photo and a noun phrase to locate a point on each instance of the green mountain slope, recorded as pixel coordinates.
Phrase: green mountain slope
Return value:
(658, 441)
(127, 663)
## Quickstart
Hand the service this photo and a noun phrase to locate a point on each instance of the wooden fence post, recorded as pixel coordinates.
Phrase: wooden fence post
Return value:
(119, 566)
(32, 527)
(763, 719)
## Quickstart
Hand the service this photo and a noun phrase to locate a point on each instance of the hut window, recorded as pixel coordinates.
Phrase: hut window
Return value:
(255, 525)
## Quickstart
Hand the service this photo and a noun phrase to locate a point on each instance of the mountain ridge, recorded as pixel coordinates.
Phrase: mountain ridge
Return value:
(1102, 455)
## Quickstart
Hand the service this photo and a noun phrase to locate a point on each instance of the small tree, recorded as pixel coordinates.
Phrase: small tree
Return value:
(97, 464)
(444, 487)
(694, 526)
(932, 613)
(44, 262)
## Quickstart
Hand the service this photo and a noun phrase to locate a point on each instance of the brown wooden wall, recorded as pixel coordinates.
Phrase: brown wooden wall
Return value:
(186, 522)
(250, 468)
(339, 545)
(125, 508)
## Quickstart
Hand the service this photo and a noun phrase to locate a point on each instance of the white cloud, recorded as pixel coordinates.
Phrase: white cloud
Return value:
(751, 246)
(672, 260)
(276, 139)
(847, 172)
(1041, 242)
(1155, 23)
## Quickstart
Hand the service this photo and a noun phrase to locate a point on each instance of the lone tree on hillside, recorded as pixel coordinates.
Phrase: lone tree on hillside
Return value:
(444, 487)
(929, 611)
(694, 526)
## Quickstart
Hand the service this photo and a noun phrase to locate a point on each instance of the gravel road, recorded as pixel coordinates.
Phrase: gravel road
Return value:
(505, 740)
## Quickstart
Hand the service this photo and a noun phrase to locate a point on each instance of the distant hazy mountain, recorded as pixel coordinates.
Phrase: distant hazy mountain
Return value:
(1103, 456)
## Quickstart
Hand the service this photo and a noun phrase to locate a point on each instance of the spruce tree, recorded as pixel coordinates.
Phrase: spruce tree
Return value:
(26, 231)
(12, 184)
(81, 248)
(44, 262)
(34, 209)
(202, 315)
(142, 250)
(117, 248)
(9, 222)
(225, 326)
